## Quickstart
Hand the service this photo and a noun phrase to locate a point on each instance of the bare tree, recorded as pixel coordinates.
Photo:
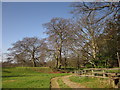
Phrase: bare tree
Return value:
(91, 21)
(85, 32)
(57, 30)
(28, 49)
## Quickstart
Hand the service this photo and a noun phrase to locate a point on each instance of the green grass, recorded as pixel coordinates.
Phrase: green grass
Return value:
(91, 82)
(27, 77)
(62, 84)
(112, 71)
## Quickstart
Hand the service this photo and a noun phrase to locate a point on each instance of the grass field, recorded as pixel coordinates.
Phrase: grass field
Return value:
(92, 82)
(28, 77)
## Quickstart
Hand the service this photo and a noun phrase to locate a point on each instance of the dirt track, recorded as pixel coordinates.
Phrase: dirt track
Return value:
(71, 84)
(54, 83)
(66, 80)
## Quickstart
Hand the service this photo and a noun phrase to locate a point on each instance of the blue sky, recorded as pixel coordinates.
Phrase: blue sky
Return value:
(25, 19)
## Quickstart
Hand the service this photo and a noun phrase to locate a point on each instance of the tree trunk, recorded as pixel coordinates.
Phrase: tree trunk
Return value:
(94, 49)
(33, 60)
(65, 62)
(94, 52)
(60, 51)
(118, 59)
(34, 64)
(56, 62)
(78, 62)
(60, 66)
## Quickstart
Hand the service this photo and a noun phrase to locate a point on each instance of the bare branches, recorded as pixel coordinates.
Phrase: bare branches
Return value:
(28, 49)
(102, 10)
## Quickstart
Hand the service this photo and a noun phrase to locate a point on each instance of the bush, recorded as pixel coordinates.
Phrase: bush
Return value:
(88, 66)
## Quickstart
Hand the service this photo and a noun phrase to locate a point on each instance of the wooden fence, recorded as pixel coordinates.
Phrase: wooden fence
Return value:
(101, 73)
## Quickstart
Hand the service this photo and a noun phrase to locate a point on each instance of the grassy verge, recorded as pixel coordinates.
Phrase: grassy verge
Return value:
(62, 84)
(91, 82)
(27, 77)
(112, 71)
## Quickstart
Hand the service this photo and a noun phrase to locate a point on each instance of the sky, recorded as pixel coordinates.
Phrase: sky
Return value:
(25, 19)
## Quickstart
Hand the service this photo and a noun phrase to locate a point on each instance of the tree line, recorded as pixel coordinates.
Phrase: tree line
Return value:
(90, 39)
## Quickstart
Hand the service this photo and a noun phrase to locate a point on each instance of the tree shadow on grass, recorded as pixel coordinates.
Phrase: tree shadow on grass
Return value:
(69, 69)
(18, 76)
(6, 71)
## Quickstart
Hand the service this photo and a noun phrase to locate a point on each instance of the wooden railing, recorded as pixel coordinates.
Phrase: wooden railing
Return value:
(101, 73)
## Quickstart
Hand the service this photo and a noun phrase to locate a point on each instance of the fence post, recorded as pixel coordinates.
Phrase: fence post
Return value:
(103, 73)
(92, 72)
(119, 84)
(85, 72)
